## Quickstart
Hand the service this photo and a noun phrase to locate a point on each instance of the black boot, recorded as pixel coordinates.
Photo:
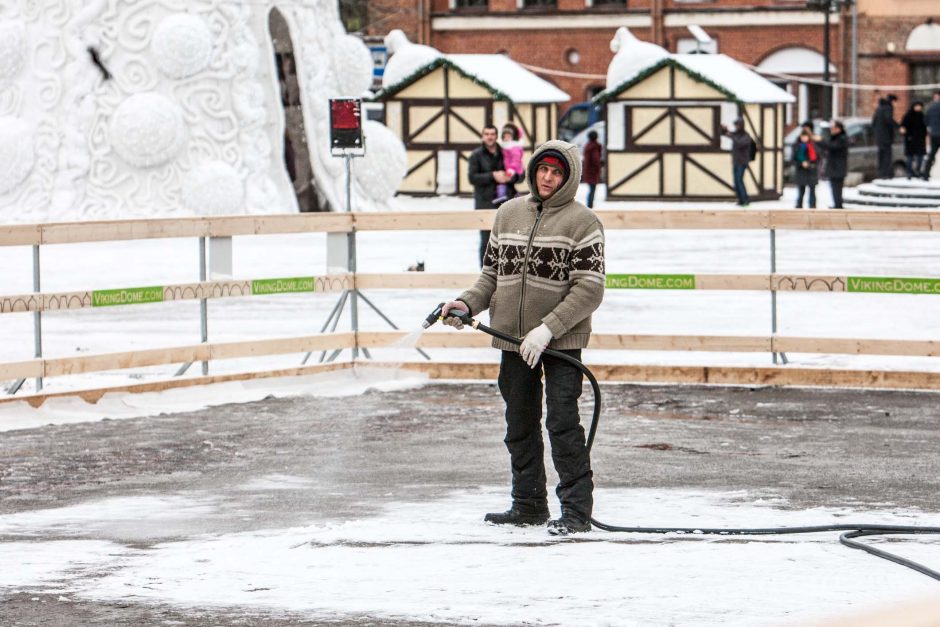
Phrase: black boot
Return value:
(567, 524)
(517, 517)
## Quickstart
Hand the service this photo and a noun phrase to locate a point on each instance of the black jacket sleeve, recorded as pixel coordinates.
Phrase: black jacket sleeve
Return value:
(475, 171)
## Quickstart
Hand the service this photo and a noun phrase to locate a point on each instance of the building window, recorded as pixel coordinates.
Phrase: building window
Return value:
(608, 3)
(690, 45)
(924, 74)
(539, 4)
(572, 56)
(469, 4)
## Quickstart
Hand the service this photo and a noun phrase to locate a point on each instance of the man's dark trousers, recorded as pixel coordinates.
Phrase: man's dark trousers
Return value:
(884, 161)
(521, 387)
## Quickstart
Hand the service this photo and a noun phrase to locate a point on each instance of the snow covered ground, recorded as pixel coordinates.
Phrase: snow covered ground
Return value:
(450, 568)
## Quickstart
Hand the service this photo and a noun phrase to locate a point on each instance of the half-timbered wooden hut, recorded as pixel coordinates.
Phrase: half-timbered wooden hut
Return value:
(439, 108)
(663, 128)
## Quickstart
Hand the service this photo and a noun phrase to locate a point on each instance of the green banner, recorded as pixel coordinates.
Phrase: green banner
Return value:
(283, 286)
(127, 296)
(893, 285)
(651, 281)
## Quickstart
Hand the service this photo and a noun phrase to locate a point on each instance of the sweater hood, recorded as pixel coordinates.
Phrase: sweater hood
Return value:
(566, 193)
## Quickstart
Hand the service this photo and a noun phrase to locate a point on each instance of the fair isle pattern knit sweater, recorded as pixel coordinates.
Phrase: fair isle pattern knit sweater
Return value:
(544, 263)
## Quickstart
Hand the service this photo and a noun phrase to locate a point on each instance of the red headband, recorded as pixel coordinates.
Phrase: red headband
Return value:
(553, 161)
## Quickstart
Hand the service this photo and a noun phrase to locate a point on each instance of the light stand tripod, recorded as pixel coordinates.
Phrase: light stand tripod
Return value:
(335, 244)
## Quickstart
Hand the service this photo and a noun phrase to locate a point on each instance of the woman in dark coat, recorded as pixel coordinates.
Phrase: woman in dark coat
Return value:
(837, 160)
(914, 129)
(806, 160)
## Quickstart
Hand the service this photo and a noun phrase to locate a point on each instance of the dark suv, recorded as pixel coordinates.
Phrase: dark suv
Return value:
(863, 153)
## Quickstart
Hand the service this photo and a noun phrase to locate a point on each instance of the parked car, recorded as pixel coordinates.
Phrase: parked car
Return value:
(577, 118)
(863, 153)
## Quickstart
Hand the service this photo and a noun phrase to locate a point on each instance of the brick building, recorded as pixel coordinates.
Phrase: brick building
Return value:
(570, 38)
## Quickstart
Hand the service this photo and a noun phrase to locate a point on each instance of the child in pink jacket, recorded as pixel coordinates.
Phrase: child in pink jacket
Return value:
(512, 164)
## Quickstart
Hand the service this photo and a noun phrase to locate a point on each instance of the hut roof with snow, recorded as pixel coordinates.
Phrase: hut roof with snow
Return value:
(438, 104)
(664, 114)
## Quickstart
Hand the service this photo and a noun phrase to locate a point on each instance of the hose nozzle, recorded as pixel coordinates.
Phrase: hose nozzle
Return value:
(433, 317)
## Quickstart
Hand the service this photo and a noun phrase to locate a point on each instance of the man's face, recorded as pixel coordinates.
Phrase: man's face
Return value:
(548, 179)
(489, 137)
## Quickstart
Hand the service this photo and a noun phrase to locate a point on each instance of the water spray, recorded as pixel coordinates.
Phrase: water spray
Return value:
(849, 531)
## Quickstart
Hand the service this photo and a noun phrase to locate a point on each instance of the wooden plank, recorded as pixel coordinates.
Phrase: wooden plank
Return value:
(94, 395)
(852, 346)
(415, 280)
(807, 283)
(20, 234)
(432, 339)
(424, 220)
(281, 346)
(855, 220)
(327, 222)
(755, 282)
(21, 369)
(680, 343)
(685, 219)
(17, 303)
(704, 375)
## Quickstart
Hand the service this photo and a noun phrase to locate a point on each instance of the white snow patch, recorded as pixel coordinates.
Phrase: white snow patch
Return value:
(277, 482)
(29, 564)
(68, 410)
(437, 561)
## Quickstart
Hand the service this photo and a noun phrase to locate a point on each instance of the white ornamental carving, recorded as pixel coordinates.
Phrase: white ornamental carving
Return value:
(214, 188)
(354, 66)
(147, 129)
(12, 49)
(17, 153)
(181, 45)
(384, 167)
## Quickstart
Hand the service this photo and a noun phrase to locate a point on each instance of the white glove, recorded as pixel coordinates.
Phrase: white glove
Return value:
(534, 343)
(451, 321)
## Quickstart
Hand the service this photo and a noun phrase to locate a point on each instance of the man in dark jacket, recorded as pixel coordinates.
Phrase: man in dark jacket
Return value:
(837, 160)
(741, 144)
(882, 128)
(932, 119)
(485, 171)
(542, 279)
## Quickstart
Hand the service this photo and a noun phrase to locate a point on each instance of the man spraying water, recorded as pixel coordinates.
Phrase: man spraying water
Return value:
(542, 278)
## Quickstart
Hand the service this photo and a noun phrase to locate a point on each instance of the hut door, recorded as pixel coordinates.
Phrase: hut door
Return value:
(296, 155)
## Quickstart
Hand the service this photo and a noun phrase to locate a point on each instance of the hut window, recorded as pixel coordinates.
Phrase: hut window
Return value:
(538, 4)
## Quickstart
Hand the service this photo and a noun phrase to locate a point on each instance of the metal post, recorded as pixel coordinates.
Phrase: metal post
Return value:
(854, 58)
(37, 315)
(203, 304)
(351, 265)
(773, 293)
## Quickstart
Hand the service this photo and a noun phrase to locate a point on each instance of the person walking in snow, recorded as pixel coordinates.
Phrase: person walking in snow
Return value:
(932, 118)
(592, 166)
(914, 129)
(741, 148)
(882, 128)
(837, 160)
(543, 276)
(806, 160)
(485, 170)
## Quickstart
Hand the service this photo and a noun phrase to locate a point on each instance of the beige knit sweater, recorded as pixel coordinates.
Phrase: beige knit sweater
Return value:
(544, 263)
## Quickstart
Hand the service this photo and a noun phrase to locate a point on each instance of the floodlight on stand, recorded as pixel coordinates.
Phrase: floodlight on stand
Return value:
(346, 126)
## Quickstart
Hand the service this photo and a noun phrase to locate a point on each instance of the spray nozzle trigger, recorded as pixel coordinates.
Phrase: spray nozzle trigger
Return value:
(437, 314)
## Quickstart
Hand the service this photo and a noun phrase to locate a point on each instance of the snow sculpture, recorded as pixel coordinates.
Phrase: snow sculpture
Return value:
(181, 45)
(406, 57)
(213, 188)
(355, 75)
(630, 57)
(147, 129)
(12, 49)
(381, 171)
(16, 152)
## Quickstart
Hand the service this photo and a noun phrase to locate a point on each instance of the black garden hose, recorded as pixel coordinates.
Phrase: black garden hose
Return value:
(849, 531)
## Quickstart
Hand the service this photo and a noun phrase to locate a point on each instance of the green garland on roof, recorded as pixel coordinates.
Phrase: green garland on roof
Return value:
(387, 92)
(610, 94)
